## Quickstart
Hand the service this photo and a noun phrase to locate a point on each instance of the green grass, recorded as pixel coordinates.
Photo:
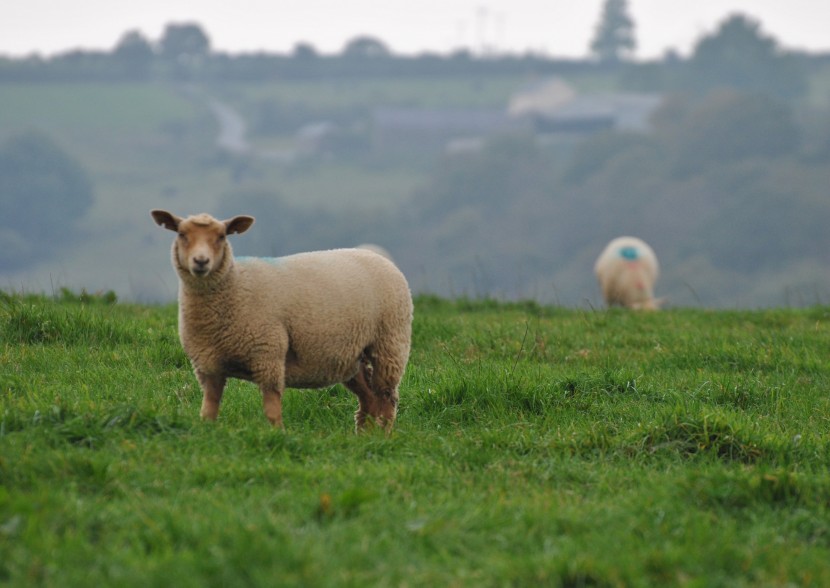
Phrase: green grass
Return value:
(336, 187)
(136, 141)
(90, 108)
(425, 92)
(439, 91)
(534, 445)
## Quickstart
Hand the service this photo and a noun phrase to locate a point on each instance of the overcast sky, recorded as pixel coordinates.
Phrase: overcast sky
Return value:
(559, 28)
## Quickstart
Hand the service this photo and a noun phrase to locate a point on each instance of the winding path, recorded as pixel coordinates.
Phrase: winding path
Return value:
(232, 128)
(233, 135)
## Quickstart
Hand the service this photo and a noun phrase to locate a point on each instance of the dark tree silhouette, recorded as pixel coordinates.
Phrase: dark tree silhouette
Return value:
(43, 192)
(738, 55)
(184, 42)
(365, 47)
(729, 127)
(304, 51)
(614, 37)
(135, 54)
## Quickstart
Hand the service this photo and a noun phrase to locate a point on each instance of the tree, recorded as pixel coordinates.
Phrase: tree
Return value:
(728, 127)
(365, 47)
(135, 54)
(184, 44)
(304, 51)
(738, 55)
(614, 37)
(596, 152)
(490, 181)
(43, 192)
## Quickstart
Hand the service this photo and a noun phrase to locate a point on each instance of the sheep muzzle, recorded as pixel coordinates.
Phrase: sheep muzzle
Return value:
(200, 266)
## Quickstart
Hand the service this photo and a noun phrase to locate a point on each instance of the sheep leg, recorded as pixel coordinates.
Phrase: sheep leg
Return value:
(376, 400)
(387, 377)
(365, 398)
(212, 388)
(386, 405)
(272, 404)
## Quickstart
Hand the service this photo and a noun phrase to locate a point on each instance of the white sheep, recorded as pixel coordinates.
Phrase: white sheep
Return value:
(303, 321)
(627, 270)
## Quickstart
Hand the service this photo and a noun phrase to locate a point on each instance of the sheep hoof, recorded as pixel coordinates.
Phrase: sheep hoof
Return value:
(208, 415)
(365, 422)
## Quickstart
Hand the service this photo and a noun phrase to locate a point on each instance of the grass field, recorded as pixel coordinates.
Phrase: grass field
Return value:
(426, 92)
(534, 445)
(85, 109)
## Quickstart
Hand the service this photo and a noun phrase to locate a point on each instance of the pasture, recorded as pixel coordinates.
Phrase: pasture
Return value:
(534, 446)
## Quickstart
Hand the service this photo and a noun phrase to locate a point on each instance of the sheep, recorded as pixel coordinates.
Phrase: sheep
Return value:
(627, 270)
(307, 320)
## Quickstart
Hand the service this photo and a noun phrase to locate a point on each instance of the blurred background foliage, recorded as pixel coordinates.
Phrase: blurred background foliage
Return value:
(727, 179)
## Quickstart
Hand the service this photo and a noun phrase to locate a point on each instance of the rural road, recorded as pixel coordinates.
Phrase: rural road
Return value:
(232, 128)
(233, 132)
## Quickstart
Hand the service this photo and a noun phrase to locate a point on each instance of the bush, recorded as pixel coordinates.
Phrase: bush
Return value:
(43, 193)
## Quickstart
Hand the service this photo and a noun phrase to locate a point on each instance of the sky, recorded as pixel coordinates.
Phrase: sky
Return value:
(555, 28)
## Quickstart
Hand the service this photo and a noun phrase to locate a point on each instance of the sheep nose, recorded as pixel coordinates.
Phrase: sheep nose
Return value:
(201, 262)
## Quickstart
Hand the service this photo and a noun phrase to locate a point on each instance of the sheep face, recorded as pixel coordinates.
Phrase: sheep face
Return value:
(201, 246)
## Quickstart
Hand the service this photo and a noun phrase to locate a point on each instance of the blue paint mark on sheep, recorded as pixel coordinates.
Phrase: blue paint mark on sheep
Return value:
(630, 253)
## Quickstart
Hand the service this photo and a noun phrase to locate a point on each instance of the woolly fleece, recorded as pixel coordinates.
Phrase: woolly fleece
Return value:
(301, 321)
(627, 270)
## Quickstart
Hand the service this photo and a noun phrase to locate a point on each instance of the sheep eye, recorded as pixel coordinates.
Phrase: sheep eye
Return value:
(181, 235)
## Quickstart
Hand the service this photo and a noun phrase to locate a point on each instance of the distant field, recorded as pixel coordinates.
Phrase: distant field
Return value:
(141, 145)
(121, 133)
(152, 145)
(75, 109)
(426, 92)
(336, 187)
(470, 91)
(534, 446)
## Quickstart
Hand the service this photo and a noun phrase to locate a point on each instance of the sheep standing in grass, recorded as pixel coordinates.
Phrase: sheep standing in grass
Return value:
(302, 321)
(627, 270)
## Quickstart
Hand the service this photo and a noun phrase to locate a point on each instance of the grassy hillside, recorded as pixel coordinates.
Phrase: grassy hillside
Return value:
(153, 146)
(533, 445)
(143, 145)
(428, 92)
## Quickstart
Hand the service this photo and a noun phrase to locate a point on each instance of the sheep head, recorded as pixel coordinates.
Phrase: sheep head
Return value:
(201, 245)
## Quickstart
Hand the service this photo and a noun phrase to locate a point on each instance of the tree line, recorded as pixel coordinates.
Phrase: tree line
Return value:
(184, 52)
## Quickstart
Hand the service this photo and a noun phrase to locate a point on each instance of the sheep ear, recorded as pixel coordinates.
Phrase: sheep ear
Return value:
(165, 219)
(238, 224)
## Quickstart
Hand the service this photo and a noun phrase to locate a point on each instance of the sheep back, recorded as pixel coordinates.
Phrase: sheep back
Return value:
(317, 312)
